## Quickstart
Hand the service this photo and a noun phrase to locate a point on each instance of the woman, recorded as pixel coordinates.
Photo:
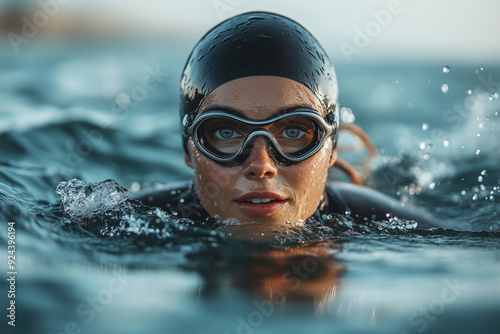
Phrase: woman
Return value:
(260, 123)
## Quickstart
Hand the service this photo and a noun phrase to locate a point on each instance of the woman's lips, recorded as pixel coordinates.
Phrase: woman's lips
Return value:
(261, 203)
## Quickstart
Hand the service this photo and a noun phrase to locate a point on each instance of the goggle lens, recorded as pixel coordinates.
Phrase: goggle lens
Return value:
(227, 136)
(291, 136)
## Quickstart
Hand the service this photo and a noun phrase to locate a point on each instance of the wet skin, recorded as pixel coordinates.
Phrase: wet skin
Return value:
(295, 191)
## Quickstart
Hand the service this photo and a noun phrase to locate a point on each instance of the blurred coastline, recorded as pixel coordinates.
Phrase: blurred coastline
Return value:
(359, 31)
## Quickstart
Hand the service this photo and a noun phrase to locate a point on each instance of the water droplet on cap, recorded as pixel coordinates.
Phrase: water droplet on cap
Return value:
(444, 88)
(469, 92)
(425, 126)
(446, 69)
(478, 151)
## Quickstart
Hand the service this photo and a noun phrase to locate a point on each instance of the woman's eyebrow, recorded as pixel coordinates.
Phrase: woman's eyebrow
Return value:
(225, 109)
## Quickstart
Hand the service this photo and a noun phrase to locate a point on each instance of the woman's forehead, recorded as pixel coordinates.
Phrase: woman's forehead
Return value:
(259, 97)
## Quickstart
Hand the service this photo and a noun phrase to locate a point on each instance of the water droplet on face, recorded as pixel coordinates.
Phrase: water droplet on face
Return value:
(483, 172)
(444, 88)
(446, 143)
(446, 69)
(425, 126)
(478, 151)
(480, 178)
(469, 92)
(463, 192)
(474, 197)
(432, 185)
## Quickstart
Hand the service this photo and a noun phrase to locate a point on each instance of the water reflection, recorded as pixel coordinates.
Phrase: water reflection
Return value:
(306, 273)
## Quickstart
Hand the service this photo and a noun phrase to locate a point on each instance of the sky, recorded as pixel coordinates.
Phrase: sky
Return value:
(350, 30)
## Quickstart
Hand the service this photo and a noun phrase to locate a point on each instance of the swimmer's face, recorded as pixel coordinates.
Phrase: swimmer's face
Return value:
(227, 192)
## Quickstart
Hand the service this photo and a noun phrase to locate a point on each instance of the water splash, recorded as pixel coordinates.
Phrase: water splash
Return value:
(104, 210)
(82, 199)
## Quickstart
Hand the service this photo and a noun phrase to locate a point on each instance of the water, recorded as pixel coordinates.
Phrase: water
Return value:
(101, 263)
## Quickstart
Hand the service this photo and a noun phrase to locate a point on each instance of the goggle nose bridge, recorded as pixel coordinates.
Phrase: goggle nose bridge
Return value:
(250, 138)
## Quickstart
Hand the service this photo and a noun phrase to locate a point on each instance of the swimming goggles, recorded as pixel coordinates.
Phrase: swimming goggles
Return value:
(292, 136)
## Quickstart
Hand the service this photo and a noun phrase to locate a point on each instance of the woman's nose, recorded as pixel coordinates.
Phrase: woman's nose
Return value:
(259, 164)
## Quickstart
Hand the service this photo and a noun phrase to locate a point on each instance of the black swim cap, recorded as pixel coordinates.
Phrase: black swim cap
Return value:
(257, 43)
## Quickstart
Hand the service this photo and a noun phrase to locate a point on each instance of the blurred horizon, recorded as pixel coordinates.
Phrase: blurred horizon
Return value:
(352, 32)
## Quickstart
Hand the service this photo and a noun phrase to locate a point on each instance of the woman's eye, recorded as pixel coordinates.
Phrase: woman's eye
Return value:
(225, 133)
(293, 132)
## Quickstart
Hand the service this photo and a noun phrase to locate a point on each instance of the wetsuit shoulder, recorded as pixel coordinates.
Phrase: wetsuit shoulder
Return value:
(367, 204)
(159, 197)
(178, 199)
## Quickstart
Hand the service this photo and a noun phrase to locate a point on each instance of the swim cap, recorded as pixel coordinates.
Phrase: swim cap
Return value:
(257, 43)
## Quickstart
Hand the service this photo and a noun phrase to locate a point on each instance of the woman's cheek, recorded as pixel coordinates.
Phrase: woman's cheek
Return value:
(212, 182)
(310, 183)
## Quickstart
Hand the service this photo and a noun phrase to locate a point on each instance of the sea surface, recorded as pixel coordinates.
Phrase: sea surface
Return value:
(82, 130)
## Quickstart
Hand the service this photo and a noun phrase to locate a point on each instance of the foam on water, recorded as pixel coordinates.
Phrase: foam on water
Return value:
(85, 200)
